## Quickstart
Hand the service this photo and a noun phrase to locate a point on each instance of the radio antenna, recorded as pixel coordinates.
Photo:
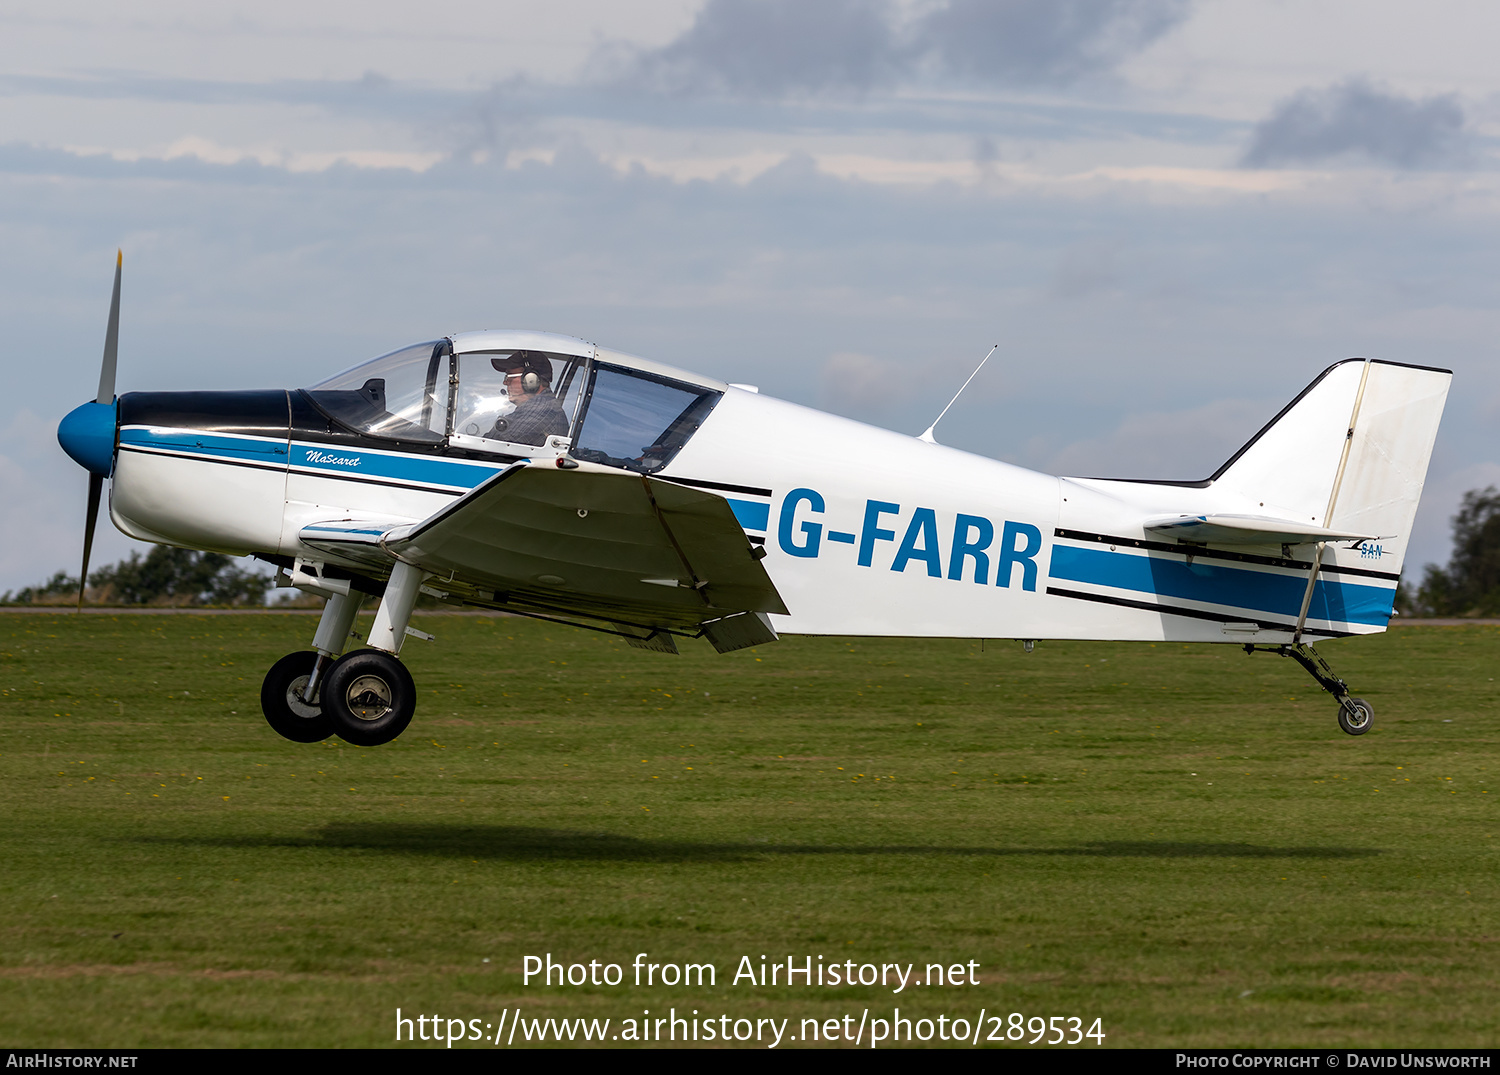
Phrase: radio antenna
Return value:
(927, 436)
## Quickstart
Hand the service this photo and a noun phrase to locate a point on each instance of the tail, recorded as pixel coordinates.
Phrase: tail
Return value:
(1349, 454)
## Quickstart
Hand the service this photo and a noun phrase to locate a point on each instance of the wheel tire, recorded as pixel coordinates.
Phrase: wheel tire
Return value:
(370, 697)
(1356, 716)
(281, 700)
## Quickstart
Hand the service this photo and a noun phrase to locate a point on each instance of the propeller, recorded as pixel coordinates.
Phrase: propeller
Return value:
(111, 339)
(106, 396)
(96, 487)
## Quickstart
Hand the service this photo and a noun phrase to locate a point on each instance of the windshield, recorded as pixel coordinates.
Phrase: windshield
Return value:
(402, 395)
(638, 421)
(516, 396)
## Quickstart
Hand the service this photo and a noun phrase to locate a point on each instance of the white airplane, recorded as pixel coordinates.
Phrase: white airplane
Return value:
(546, 476)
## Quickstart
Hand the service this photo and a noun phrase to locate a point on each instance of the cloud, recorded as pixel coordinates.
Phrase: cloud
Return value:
(771, 48)
(373, 95)
(1087, 270)
(496, 121)
(1041, 42)
(1356, 119)
(781, 48)
(860, 383)
(1167, 445)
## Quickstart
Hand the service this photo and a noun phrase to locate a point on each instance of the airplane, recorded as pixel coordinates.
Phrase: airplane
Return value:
(543, 475)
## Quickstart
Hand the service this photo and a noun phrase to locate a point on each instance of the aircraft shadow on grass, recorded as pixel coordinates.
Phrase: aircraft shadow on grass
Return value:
(524, 844)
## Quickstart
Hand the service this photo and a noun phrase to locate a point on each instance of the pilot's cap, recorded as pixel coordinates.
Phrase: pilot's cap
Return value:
(527, 361)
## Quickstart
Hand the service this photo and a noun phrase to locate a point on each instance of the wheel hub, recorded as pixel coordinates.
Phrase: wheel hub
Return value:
(295, 703)
(369, 697)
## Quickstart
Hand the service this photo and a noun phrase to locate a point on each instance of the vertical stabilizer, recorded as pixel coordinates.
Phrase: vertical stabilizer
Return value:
(1350, 453)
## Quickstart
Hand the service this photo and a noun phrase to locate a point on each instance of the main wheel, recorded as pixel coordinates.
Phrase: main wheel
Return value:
(281, 700)
(370, 697)
(1355, 716)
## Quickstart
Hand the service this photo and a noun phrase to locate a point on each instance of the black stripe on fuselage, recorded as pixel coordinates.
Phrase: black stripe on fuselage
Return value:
(1190, 613)
(1220, 554)
(696, 483)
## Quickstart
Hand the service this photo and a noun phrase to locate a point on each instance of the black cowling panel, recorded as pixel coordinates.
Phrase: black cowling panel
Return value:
(252, 413)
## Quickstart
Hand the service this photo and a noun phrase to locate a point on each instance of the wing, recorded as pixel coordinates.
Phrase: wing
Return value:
(1248, 530)
(589, 540)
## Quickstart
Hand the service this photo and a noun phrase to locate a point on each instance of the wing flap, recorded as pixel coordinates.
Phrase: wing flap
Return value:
(596, 540)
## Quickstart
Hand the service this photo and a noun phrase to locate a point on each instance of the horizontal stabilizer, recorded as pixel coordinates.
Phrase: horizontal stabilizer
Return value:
(354, 540)
(344, 532)
(1248, 530)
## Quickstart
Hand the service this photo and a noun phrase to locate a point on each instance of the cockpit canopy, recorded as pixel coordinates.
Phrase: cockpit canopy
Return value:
(515, 393)
(395, 396)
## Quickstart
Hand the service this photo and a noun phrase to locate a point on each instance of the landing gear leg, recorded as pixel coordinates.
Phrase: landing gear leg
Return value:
(332, 635)
(290, 695)
(1355, 714)
(389, 629)
(369, 695)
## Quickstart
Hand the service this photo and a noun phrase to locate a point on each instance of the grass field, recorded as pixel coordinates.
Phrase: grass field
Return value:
(1176, 840)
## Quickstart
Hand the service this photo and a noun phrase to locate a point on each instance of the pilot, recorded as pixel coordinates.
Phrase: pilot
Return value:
(538, 414)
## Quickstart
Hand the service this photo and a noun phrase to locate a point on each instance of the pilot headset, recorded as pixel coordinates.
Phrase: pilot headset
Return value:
(531, 378)
(531, 381)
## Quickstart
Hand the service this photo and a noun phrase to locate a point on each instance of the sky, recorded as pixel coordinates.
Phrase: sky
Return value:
(1171, 215)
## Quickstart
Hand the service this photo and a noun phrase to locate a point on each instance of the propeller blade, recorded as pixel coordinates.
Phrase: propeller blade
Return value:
(96, 486)
(111, 341)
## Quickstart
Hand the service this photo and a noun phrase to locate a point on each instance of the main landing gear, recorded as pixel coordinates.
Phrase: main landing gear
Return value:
(366, 697)
(1355, 714)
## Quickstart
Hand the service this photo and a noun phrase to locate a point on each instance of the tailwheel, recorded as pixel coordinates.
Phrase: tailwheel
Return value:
(369, 697)
(282, 702)
(1355, 715)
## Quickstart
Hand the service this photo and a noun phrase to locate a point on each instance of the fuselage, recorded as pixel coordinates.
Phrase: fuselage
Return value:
(866, 531)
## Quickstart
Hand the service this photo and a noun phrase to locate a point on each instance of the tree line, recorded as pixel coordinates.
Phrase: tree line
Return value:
(1470, 584)
(164, 576)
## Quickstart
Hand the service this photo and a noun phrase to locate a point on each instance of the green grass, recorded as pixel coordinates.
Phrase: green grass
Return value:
(1177, 840)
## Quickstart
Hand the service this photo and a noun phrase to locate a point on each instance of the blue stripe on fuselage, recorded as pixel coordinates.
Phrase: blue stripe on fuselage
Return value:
(211, 445)
(1261, 591)
(327, 460)
(362, 463)
(750, 515)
